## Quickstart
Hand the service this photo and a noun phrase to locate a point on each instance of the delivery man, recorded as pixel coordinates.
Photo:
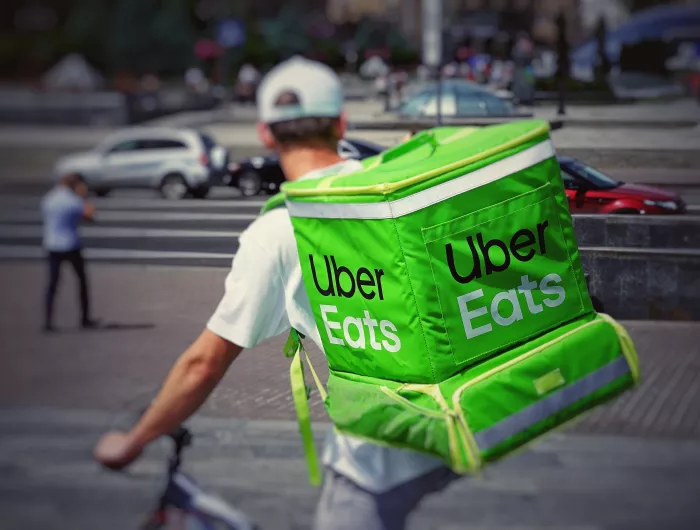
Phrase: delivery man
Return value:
(366, 486)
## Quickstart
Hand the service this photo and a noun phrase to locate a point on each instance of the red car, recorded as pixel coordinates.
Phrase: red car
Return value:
(591, 191)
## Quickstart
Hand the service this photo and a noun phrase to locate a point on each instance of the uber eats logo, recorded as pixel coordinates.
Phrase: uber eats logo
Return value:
(358, 331)
(485, 257)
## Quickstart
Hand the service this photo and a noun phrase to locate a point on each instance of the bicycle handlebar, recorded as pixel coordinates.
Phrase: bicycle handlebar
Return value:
(181, 436)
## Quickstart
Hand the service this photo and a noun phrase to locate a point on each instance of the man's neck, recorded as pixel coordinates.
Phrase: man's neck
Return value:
(299, 161)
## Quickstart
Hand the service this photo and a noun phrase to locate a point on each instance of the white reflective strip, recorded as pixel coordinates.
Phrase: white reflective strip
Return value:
(392, 209)
(552, 404)
(318, 210)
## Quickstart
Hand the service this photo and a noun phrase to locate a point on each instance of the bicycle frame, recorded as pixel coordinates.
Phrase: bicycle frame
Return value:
(183, 494)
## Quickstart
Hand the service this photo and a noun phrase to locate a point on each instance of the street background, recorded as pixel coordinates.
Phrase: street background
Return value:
(618, 81)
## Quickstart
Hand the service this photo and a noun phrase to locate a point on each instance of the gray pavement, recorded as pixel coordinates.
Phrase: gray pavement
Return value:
(566, 482)
(632, 464)
(153, 312)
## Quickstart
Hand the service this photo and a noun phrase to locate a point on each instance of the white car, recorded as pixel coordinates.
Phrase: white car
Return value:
(177, 162)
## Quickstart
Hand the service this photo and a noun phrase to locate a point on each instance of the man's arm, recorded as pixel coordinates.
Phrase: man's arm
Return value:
(190, 382)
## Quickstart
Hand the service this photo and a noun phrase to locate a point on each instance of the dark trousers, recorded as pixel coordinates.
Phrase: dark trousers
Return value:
(55, 259)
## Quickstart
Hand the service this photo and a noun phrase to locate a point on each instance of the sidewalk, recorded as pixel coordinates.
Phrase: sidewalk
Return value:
(166, 308)
(233, 125)
(684, 113)
(634, 464)
(566, 482)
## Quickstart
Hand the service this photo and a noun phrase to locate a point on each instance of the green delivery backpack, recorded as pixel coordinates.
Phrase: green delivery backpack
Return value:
(446, 284)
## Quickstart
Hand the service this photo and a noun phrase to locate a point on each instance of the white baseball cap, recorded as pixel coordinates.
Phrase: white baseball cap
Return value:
(299, 88)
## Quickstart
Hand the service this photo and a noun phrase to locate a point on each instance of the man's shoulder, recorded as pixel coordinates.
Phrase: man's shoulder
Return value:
(271, 230)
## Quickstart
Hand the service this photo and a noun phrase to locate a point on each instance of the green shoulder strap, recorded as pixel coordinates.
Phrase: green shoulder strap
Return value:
(300, 393)
(276, 201)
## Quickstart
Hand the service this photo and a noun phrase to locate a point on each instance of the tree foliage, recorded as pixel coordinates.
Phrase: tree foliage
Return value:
(133, 35)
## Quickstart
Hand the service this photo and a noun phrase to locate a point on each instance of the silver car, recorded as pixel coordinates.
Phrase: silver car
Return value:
(177, 162)
(459, 98)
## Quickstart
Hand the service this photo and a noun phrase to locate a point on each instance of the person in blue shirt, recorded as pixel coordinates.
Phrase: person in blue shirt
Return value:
(63, 208)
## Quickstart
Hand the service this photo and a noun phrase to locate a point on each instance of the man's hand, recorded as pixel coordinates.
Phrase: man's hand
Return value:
(116, 450)
(88, 211)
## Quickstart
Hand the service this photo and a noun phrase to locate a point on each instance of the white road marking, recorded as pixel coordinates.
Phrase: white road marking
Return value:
(128, 215)
(107, 232)
(27, 252)
(26, 202)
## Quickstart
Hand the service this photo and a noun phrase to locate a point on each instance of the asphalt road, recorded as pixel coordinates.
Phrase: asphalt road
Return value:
(141, 227)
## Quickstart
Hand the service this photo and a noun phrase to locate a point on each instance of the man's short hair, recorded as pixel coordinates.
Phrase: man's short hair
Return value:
(306, 131)
(302, 131)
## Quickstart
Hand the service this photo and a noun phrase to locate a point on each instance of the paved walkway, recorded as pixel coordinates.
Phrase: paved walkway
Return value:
(155, 312)
(567, 482)
(632, 465)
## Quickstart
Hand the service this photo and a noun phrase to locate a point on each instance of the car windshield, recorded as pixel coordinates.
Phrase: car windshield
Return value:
(597, 178)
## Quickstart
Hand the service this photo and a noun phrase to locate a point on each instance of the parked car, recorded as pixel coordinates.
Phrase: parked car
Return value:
(263, 173)
(177, 162)
(588, 189)
(460, 98)
(591, 191)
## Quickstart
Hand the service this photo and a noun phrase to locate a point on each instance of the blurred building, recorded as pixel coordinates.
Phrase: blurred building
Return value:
(269, 8)
(344, 11)
(466, 19)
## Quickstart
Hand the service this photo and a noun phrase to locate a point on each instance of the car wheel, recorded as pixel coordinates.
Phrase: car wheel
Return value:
(102, 192)
(627, 211)
(174, 187)
(249, 183)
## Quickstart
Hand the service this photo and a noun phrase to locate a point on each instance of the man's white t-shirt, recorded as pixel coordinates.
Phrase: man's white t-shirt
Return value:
(265, 296)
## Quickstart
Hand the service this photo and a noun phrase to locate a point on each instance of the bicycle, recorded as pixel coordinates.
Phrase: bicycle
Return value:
(186, 504)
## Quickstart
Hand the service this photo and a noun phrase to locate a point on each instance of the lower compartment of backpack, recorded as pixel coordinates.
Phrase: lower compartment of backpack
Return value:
(494, 408)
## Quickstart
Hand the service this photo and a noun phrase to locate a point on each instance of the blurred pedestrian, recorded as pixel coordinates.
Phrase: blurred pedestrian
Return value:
(247, 83)
(63, 208)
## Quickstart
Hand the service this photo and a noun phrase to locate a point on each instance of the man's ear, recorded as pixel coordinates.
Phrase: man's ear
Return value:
(341, 125)
(265, 136)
